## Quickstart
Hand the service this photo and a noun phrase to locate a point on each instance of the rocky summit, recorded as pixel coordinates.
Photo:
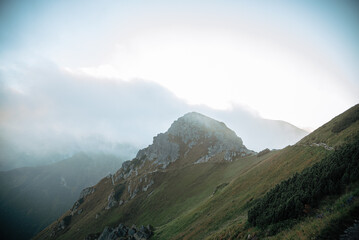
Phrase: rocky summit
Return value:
(191, 139)
(193, 129)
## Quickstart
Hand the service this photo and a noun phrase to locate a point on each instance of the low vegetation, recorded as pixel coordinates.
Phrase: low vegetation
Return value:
(346, 121)
(294, 197)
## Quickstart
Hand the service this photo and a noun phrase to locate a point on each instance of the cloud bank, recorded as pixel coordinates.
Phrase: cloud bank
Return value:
(46, 110)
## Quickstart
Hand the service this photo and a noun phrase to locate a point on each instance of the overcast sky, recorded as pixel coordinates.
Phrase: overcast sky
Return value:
(295, 61)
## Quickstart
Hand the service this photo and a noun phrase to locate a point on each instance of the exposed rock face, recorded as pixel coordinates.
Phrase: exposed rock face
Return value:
(162, 151)
(111, 200)
(192, 126)
(123, 232)
(87, 191)
(194, 135)
(323, 145)
(61, 225)
(145, 188)
(192, 129)
(84, 193)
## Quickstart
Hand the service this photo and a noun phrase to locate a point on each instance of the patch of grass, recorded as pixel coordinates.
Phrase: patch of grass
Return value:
(225, 209)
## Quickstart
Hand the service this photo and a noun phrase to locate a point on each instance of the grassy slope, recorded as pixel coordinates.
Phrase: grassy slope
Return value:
(230, 206)
(311, 226)
(182, 205)
(176, 191)
(325, 134)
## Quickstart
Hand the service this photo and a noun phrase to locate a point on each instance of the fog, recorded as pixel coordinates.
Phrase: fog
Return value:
(48, 113)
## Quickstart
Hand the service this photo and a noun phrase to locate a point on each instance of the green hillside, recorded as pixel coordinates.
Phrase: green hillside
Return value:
(212, 199)
(338, 131)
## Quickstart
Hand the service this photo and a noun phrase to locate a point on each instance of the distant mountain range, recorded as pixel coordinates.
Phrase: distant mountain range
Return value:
(199, 181)
(14, 156)
(33, 197)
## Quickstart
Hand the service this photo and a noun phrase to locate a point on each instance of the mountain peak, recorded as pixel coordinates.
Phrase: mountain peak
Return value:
(193, 126)
(193, 135)
(198, 120)
(192, 139)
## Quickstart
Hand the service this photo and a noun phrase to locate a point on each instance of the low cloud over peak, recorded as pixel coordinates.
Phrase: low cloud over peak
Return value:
(51, 110)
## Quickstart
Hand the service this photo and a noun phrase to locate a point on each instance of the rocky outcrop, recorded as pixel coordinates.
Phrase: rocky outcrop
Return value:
(124, 233)
(84, 193)
(194, 135)
(162, 151)
(193, 129)
(323, 145)
(61, 225)
(111, 201)
(145, 188)
(76, 206)
(87, 191)
(263, 152)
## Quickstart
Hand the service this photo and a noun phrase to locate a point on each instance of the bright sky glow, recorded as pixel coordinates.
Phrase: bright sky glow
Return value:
(295, 61)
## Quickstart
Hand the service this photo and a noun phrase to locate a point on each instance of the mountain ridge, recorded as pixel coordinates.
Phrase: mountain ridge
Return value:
(183, 199)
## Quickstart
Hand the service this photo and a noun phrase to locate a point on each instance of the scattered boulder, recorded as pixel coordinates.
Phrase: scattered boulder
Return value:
(132, 231)
(105, 234)
(76, 206)
(219, 187)
(64, 223)
(123, 232)
(145, 188)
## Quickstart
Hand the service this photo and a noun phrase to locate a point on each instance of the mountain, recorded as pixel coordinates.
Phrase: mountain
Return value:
(16, 154)
(198, 180)
(33, 197)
